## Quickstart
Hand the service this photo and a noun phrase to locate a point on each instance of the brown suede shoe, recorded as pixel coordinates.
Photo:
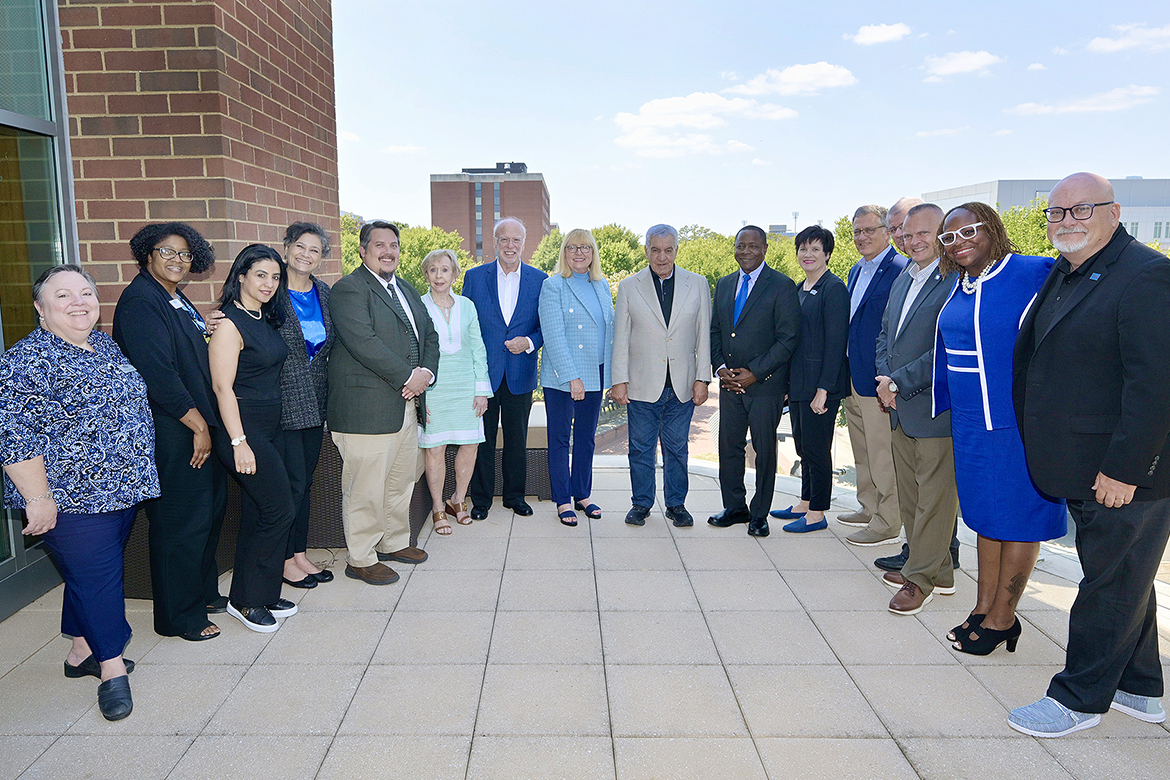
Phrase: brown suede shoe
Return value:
(909, 600)
(378, 574)
(405, 555)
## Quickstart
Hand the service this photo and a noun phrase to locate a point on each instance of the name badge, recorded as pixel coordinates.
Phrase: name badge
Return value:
(176, 303)
(125, 368)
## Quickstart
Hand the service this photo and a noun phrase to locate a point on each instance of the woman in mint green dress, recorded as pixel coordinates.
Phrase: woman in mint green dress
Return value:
(458, 399)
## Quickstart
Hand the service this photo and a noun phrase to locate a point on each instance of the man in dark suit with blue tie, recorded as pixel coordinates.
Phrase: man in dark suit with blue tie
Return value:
(755, 326)
(869, 429)
(505, 293)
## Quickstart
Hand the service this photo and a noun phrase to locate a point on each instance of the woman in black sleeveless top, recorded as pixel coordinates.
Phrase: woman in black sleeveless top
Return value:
(246, 354)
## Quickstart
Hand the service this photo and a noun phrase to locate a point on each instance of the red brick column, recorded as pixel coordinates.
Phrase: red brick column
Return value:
(219, 113)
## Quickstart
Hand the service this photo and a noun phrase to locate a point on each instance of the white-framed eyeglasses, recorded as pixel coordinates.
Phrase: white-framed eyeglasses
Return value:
(967, 232)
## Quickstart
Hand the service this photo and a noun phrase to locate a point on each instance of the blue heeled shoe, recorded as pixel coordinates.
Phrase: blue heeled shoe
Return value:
(786, 514)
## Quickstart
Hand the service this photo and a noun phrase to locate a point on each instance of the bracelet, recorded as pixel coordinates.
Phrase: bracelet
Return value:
(35, 499)
(238, 441)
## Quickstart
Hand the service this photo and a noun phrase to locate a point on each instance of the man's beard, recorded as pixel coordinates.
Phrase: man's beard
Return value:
(1076, 241)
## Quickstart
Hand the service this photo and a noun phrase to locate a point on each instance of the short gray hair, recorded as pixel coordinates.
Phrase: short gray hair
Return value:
(513, 220)
(878, 211)
(658, 231)
(39, 285)
(904, 204)
(931, 207)
(435, 255)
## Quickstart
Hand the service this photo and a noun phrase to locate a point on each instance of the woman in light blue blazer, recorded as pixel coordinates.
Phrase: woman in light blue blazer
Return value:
(576, 317)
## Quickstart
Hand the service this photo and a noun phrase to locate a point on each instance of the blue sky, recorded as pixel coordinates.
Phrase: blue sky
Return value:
(717, 113)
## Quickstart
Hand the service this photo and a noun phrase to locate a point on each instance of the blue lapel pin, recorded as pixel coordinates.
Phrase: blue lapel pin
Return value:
(1094, 277)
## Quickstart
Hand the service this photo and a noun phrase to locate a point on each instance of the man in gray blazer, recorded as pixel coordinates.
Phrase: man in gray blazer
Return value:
(924, 458)
(386, 355)
(661, 367)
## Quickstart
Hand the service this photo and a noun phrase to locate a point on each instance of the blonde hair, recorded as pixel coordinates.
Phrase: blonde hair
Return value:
(434, 256)
(573, 237)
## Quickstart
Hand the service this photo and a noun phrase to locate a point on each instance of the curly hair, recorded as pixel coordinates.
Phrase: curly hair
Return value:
(145, 240)
(1001, 244)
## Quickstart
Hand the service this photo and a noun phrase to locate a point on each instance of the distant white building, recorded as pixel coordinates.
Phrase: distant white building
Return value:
(1145, 203)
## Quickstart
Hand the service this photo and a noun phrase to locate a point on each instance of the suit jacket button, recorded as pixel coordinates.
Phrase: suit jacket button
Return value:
(733, 334)
(580, 346)
(579, 327)
(570, 311)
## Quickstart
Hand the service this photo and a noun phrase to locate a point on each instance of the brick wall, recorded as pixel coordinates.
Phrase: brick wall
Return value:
(219, 113)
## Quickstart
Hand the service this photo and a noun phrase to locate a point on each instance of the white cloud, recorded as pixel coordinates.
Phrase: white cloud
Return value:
(1004, 131)
(961, 62)
(730, 75)
(797, 80)
(1059, 50)
(946, 132)
(402, 149)
(646, 132)
(1037, 66)
(345, 135)
(758, 161)
(1118, 99)
(870, 34)
(1133, 36)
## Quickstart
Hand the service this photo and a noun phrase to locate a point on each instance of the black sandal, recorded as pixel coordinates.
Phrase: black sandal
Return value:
(989, 640)
(593, 511)
(199, 636)
(568, 517)
(973, 621)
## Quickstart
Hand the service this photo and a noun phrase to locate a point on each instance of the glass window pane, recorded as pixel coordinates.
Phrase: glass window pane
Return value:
(24, 78)
(30, 230)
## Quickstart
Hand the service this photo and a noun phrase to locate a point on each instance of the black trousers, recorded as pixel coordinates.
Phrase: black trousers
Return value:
(509, 410)
(813, 434)
(302, 450)
(263, 540)
(184, 530)
(737, 415)
(1112, 627)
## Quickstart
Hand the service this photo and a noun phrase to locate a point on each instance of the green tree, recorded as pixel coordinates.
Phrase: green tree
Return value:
(782, 256)
(416, 242)
(845, 252)
(349, 243)
(712, 255)
(545, 256)
(1028, 228)
(692, 232)
(620, 250)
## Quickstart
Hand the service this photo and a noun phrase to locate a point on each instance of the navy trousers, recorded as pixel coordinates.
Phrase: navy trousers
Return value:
(813, 434)
(579, 419)
(88, 551)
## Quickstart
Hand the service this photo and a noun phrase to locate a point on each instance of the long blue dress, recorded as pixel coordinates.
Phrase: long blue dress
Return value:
(973, 377)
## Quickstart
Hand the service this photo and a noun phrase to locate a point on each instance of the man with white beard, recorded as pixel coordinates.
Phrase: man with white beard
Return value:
(1091, 389)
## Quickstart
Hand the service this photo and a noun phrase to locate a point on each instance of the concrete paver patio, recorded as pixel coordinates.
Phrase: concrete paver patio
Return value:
(525, 649)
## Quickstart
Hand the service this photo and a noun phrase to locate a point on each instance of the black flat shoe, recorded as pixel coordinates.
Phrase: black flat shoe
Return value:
(479, 512)
(114, 698)
(729, 517)
(282, 608)
(308, 582)
(984, 641)
(91, 668)
(323, 576)
(758, 527)
(257, 619)
(519, 507)
(218, 606)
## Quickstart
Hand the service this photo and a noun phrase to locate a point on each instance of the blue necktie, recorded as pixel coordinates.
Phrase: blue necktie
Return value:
(741, 297)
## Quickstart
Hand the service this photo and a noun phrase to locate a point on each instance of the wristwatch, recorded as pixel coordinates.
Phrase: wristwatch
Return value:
(893, 386)
(238, 441)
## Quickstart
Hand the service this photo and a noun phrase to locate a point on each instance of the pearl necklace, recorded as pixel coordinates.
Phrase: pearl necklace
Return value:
(969, 283)
(256, 315)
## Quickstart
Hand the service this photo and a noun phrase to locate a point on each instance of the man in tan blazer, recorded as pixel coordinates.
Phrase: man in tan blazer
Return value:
(661, 367)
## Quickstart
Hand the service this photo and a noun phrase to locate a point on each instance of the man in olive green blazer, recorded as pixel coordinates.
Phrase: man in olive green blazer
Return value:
(386, 355)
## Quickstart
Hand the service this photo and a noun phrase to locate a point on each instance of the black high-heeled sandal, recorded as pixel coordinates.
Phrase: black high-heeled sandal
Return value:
(973, 621)
(988, 640)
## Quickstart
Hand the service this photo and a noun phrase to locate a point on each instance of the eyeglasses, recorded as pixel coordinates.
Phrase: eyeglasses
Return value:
(868, 231)
(166, 253)
(1080, 212)
(967, 232)
(574, 248)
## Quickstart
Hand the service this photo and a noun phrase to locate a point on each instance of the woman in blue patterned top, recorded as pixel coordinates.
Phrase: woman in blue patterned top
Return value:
(308, 333)
(77, 444)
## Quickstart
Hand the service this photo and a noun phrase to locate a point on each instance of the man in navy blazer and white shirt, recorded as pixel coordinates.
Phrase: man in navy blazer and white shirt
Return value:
(869, 429)
(505, 293)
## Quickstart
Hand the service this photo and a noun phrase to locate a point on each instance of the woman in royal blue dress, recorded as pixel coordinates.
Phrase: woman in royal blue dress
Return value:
(973, 378)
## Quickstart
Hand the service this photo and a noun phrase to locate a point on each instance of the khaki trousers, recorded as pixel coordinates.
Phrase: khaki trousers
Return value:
(378, 474)
(930, 505)
(877, 486)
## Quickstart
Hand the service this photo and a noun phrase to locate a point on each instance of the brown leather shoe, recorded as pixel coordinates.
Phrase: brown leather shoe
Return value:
(405, 555)
(378, 574)
(895, 580)
(909, 600)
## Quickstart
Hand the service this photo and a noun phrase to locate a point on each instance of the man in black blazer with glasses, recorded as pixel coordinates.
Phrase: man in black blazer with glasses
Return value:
(1091, 387)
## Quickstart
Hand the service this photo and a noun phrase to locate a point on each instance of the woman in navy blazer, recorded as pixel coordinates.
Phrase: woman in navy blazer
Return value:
(576, 316)
(818, 378)
(165, 338)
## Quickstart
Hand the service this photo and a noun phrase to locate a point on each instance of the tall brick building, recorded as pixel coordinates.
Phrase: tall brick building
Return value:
(470, 203)
(114, 114)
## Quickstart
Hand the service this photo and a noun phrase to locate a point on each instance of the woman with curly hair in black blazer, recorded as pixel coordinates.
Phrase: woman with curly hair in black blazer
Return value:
(165, 338)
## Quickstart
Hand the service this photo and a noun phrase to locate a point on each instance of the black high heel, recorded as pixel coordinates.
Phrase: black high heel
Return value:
(973, 621)
(989, 639)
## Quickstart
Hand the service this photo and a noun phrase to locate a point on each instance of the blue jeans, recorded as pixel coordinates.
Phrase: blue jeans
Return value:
(667, 420)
